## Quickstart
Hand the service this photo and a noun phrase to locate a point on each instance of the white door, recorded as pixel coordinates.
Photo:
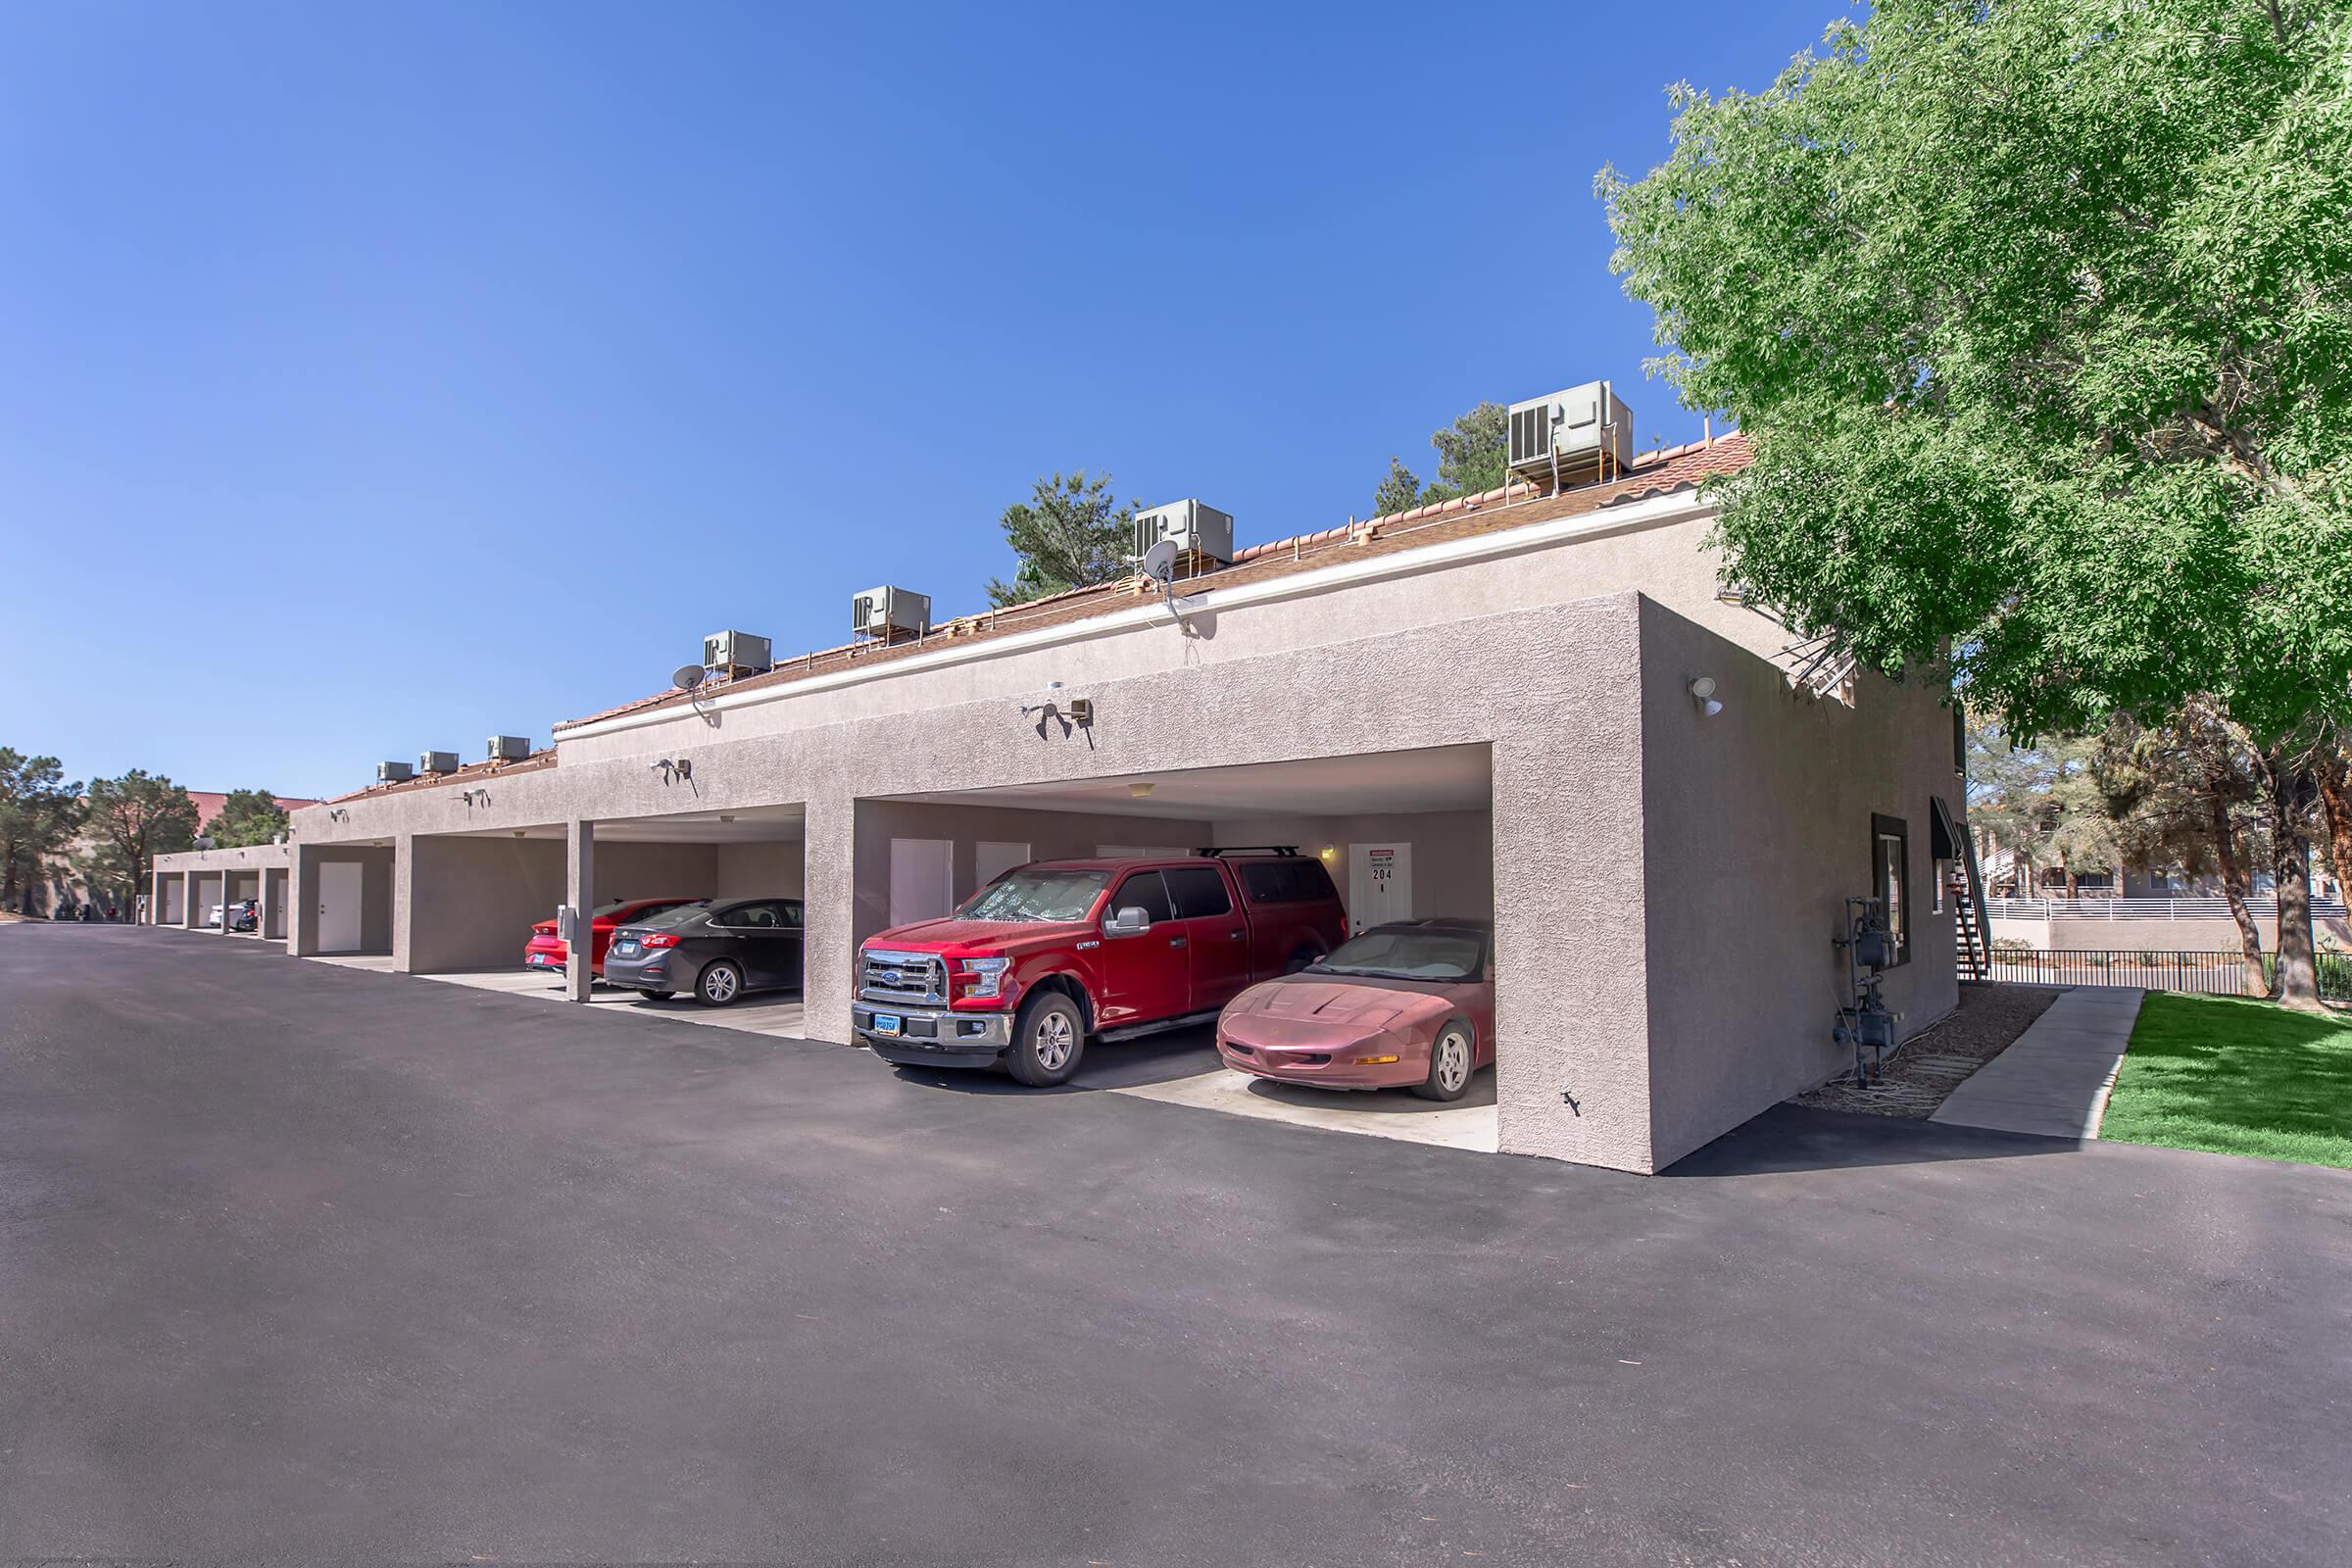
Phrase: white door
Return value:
(992, 859)
(921, 886)
(175, 905)
(1380, 885)
(339, 906)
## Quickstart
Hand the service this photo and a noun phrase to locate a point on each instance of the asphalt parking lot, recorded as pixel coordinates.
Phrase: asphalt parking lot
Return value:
(303, 1264)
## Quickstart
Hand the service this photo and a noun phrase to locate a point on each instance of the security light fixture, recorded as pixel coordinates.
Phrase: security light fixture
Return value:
(1052, 691)
(1702, 697)
(1142, 790)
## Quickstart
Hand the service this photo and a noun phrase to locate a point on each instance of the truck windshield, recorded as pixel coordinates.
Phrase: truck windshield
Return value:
(1405, 952)
(1037, 893)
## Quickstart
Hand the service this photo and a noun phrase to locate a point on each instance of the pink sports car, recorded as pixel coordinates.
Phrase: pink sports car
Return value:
(1405, 1005)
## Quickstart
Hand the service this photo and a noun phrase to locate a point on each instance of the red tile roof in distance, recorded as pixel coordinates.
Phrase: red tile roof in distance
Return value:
(210, 802)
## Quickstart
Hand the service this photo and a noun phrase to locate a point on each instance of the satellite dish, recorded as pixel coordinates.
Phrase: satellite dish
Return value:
(1160, 562)
(686, 677)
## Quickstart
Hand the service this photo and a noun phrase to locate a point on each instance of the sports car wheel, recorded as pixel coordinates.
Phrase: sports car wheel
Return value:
(1450, 1058)
(1048, 1039)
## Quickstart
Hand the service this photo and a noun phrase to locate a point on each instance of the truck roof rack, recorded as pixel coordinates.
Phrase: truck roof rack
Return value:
(1247, 848)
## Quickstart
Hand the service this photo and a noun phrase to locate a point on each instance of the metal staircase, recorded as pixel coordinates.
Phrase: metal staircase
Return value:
(1970, 919)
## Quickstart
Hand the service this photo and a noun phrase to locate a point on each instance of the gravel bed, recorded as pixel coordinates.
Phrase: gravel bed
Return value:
(1931, 1064)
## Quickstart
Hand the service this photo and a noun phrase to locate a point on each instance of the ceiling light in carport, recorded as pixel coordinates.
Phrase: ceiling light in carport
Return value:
(1142, 789)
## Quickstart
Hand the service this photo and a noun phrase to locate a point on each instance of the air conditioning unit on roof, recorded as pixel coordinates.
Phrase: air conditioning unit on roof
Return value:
(738, 653)
(890, 613)
(507, 747)
(1199, 531)
(436, 762)
(394, 772)
(1572, 437)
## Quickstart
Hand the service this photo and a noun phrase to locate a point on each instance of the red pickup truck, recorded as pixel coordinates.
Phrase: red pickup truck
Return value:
(1058, 951)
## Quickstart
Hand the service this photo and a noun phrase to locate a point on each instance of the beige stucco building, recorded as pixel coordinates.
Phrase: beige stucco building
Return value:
(1501, 687)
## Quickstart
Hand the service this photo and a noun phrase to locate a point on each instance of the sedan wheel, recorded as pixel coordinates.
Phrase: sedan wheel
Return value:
(1450, 1058)
(720, 984)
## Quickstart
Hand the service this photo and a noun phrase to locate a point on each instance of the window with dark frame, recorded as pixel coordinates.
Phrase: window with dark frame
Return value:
(1890, 878)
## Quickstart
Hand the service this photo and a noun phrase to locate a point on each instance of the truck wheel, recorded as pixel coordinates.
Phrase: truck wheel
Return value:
(1048, 1039)
(1450, 1056)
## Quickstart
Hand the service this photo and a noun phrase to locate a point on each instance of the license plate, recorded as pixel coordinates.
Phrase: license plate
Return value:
(627, 949)
(539, 957)
(889, 1023)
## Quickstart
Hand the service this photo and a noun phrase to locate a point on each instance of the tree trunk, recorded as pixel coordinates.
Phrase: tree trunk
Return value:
(2234, 887)
(2290, 784)
(2336, 805)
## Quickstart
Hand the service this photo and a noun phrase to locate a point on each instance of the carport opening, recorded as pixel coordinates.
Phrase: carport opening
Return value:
(1403, 836)
(487, 904)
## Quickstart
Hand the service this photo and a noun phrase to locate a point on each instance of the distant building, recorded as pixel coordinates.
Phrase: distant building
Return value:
(60, 886)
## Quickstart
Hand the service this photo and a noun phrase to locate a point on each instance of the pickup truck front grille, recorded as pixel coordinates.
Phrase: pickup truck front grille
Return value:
(911, 978)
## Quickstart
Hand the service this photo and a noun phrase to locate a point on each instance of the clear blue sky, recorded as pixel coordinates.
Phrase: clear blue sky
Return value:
(377, 378)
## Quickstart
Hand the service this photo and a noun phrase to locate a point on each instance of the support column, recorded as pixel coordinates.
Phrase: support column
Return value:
(829, 917)
(580, 892)
(189, 915)
(267, 919)
(155, 898)
(301, 901)
(404, 903)
(229, 882)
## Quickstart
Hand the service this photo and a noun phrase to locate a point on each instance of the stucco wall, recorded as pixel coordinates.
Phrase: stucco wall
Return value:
(760, 870)
(1758, 827)
(483, 896)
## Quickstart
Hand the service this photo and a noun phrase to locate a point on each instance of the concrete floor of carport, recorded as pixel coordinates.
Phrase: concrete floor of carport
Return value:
(1439, 799)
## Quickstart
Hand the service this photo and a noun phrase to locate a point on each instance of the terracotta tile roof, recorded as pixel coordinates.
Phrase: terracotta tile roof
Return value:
(1512, 506)
(471, 773)
(210, 802)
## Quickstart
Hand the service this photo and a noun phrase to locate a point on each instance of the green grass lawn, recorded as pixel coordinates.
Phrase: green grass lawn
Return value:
(2234, 1077)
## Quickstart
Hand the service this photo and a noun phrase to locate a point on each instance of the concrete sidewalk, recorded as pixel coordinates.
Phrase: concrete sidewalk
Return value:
(2055, 1079)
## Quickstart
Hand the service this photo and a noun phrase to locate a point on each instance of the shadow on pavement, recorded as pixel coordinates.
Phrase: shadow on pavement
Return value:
(1121, 1064)
(1796, 1138)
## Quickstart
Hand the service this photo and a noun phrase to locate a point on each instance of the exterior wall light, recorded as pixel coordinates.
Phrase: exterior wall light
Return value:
(1142, 790)
(1330, 854)
(1702, 697)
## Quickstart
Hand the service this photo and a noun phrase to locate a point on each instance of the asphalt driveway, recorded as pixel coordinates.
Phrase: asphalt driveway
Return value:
(302, 1264)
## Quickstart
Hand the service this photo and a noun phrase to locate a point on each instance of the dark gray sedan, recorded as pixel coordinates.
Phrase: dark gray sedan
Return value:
(717, 951)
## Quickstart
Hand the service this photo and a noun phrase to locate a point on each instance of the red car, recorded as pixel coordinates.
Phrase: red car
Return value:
(1410, 1006)
(1059, 952)
(545, 949)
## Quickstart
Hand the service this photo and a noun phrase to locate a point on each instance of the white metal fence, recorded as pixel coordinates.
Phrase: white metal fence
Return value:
(2264, 907)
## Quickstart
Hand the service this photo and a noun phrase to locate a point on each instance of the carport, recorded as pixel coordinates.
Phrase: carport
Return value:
(484, 891)
(1403, 835)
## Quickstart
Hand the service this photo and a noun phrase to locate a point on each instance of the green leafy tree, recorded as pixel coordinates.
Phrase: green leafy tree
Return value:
(132, 820)
(1473, 457)
(1473, 454)
(39, 813)
(2038, 315)
(1070, 534)
(1399, 491)
(2184, 794)
(2041, 803)
(246, 817)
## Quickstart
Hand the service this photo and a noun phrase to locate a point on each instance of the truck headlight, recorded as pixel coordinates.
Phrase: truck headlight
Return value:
(983, 977)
